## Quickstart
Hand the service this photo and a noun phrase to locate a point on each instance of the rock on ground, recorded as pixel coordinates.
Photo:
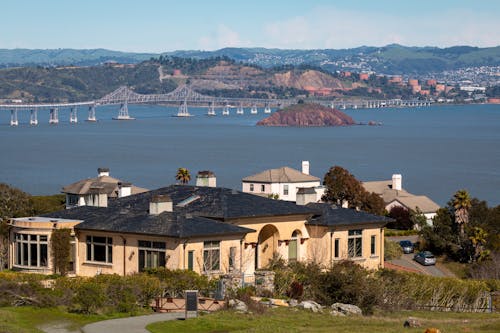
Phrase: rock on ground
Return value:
(339, 309)
(310, 305)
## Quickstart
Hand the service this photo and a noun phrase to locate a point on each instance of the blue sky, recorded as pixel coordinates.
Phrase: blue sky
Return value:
(157, 26)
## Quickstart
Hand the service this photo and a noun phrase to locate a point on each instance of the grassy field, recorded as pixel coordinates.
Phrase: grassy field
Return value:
(28, 319)
(292, 320)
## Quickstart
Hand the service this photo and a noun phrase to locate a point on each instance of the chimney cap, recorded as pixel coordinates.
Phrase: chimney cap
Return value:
(206, 173)
(161, 198)
(124, 184)
(102, 169)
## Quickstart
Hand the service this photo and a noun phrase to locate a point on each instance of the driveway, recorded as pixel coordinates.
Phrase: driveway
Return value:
(407, 261)
(130, 324)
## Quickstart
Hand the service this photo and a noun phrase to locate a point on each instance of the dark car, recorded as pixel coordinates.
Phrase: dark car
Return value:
(425, 258)
(407, 246)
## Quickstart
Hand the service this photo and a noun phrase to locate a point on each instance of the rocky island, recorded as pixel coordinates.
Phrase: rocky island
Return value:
(307, 115)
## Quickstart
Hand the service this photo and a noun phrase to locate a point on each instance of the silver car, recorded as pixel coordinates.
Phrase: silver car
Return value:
(407, 246)
(425, 258)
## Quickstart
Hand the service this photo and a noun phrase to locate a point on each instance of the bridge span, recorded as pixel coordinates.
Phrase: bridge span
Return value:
(183, 97)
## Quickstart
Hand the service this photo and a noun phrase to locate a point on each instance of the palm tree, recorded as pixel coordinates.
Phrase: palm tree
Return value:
(461, 204)
(183, 175)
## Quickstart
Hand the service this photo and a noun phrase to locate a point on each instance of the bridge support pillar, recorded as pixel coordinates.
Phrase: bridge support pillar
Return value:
(13, 118)
(239, 110)
(183, 110)
(253, 110)
(123, 112)
(73, 115)
(33, 117)
(91, 116)
(225, 110)
(267, 109)
(211, 109)
(54, 116)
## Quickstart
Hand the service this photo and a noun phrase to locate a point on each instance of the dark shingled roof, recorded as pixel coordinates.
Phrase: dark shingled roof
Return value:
(198, 211)
(331, 215)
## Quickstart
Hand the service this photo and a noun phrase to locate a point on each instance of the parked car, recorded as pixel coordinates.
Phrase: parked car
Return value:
(425, 258)
(407, 246)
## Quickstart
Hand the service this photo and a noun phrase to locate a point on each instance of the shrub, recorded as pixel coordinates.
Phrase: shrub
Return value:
(174, 282)
(392, 250)
(89, 297)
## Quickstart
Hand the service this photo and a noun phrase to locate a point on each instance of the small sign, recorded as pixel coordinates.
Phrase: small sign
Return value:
(191, 302)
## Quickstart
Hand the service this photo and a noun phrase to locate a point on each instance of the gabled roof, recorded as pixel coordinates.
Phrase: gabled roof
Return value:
(281, 175)
(102, 184)
(411, 201)
(421, 202)
(331, 215)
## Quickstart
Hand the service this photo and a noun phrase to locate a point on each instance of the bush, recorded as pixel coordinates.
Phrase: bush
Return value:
(392, 250)
(174, 282)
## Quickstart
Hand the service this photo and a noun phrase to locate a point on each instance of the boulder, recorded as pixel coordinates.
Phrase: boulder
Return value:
(412, 322)
(345, 309)
(310, 305)
(293, 302)
(237, 305)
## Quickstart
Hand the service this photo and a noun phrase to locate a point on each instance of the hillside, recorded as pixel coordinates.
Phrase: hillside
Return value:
(307, 115)
(390, 59)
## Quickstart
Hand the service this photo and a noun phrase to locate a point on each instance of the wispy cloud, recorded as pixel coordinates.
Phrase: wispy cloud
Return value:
(329, 27)
(223, 36)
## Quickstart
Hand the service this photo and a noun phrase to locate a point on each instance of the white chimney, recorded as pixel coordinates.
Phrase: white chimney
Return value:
(305, 167)
(397, 181)
(206, 178)
(102, 172)
(160, 204)
(124, 189)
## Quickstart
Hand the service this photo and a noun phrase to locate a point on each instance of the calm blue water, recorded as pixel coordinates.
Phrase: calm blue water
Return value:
(438, 150)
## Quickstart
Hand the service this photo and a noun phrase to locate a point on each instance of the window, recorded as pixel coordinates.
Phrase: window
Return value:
(190, 260)
(251, 187)
(31, 250)
(100, 249)
(232, 258)
(373, 250)
(72, 199)
(354, 243)
(293, 248)
(262, 188)
(211, 256)
(336, 250)
(151, 254)
(285, 189)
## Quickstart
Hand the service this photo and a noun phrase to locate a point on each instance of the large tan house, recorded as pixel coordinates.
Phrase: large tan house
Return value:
(394, 195)
(209, 230)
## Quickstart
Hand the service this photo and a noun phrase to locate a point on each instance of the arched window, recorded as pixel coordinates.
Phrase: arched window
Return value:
(293, 247)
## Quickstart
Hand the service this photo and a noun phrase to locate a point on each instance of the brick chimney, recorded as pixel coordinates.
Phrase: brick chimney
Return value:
(160, 204)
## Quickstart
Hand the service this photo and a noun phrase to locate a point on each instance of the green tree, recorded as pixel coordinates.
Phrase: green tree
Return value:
(14, 202)
(342, 187)
(183, 176)
(461, 204)
(4, 244)
(60, 242)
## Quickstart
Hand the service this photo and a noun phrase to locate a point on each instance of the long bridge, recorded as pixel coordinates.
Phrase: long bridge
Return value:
(183, 97)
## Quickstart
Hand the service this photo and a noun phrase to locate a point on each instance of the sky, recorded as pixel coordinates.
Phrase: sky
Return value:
(165, 25)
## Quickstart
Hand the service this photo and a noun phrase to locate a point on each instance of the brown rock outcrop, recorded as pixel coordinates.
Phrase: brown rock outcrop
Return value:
(307, 115)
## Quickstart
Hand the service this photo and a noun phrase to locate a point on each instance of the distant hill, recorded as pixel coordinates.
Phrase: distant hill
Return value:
(390, 59)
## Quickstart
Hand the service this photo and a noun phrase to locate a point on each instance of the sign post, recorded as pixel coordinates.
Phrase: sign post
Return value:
(191, 302)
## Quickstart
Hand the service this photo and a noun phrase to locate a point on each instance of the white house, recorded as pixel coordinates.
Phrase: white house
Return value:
(284, 181)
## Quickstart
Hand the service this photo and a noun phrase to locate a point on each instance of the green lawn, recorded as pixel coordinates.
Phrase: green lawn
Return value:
(27, 319)
(292, 320)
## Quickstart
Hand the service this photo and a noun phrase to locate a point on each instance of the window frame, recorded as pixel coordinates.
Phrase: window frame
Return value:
(373, 245)
(23, 249)
(355, 243)
(91, 244)
(154, 250)
(211, 256)
(251, 187)
(262, 187)
(336, 248)
(286, 190)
